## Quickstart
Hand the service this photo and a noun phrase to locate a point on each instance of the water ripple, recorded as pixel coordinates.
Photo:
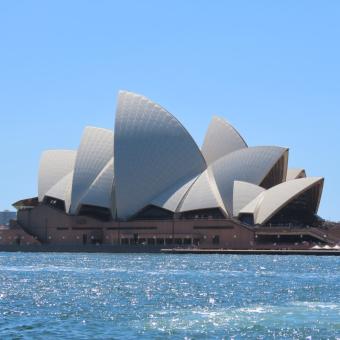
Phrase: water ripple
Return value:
(110, 296)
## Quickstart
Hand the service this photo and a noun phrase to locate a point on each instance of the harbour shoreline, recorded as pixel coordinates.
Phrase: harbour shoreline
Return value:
(160, 250)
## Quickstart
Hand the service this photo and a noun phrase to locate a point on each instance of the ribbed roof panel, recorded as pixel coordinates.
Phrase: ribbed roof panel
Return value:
(54, 165)
(152, 152)
(100, 191)
(220, 140)
(243, 194)
(200, 195)
(94, 153)
(247, 165)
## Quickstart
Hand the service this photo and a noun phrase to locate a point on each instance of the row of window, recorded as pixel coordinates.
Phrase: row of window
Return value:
(165, 241)
(159, 241)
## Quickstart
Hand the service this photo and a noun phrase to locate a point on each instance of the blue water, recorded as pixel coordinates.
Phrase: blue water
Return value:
(127, 296)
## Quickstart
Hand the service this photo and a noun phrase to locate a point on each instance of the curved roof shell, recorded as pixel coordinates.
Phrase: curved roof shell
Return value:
(100, 191)
(62, 190)
(152, 153)
(247, 165)
(54, 165)
(200, 195)
(295, 174)
(221, 139)
(94, 153)
(251, 207)
(172, 198)
(270, 202)
(153, 161)
(243, 194)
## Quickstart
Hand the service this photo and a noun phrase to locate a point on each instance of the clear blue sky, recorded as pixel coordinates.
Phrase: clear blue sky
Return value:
(272, 68)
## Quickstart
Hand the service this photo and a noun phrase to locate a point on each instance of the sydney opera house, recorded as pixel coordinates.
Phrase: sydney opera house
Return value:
(147, 184)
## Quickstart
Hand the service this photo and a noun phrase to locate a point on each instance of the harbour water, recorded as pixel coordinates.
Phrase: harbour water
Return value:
(157, 296)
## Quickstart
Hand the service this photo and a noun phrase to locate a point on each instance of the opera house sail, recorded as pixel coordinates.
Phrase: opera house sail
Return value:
(147, 182)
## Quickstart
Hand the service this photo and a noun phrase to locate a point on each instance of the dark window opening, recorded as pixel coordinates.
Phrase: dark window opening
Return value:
(247, 218)
(96, 240)
(196, 241)
(152, 212)
(124, 241)
(134, 240)
(54, 203)
(276, 174)
(216, 240)
(93, 211)
(206, 214)
(151, 241)
(202, 227)
(287, 239)
(299, 212)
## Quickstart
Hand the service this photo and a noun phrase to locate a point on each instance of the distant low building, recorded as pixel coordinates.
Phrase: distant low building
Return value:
(6, 216)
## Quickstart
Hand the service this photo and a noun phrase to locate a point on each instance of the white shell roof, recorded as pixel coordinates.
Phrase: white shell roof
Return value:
(100, 191)
(171, 198)
(295, 174)
(220, 140)
(62, 190)
(152, 159)
(248, 165)
(200, 195)
(243, 194)
(271, 201)
(152, 152)
(251, 207)
(95, 151)
(54, 165)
